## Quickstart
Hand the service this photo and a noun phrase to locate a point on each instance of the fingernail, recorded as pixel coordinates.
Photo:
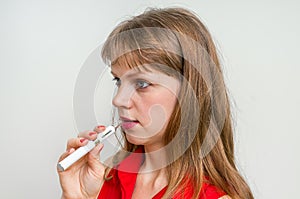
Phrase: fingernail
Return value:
(92, 133)
(82, 140)
(101, 127)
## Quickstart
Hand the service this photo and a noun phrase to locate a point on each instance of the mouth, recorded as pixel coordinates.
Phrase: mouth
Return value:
(128, 123)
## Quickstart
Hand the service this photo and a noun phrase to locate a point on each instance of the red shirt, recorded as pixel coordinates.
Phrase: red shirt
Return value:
(121, 186)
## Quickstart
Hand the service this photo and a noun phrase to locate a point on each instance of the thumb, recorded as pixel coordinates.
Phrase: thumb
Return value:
(94, 159)
(95, 152)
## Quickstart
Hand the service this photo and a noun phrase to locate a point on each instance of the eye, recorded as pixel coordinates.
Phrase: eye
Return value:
(117, 81)
(141, 84)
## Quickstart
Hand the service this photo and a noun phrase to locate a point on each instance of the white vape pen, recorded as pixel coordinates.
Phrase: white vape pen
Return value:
(80, 152)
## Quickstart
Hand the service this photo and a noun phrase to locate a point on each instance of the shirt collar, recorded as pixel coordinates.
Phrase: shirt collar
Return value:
(127, 171)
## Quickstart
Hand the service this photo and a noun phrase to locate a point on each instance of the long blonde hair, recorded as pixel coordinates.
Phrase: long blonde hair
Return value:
(201, 119)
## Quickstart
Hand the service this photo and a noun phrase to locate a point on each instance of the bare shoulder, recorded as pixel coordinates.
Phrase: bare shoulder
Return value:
(225, 197)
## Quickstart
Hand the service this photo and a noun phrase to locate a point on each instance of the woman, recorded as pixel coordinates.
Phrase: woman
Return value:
(174, 113)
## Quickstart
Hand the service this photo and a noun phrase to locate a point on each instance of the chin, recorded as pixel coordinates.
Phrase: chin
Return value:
(136, 140)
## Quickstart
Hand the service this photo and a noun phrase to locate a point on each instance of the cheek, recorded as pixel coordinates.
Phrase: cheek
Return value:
(144, 111)
(169, 106)
(156, 110)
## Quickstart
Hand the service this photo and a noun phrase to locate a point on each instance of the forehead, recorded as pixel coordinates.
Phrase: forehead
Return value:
(118, 70)
(137, 62)
(131, 61)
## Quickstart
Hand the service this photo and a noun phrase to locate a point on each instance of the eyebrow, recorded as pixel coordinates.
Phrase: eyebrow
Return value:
(132, 73)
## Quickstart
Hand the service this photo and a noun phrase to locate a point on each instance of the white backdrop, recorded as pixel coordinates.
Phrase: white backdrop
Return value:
(43, 45)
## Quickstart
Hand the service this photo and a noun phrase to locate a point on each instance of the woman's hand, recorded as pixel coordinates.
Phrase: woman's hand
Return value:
(84, 178)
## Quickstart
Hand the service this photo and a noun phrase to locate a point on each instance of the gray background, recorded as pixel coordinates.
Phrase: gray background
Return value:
(43, 45)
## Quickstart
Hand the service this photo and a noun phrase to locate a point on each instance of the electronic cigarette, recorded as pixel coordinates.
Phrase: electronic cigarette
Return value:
(80, 152)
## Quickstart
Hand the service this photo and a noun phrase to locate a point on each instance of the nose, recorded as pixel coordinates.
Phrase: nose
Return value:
(123, 98)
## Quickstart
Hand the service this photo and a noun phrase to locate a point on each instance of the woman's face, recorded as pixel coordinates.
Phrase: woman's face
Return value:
(145, 101)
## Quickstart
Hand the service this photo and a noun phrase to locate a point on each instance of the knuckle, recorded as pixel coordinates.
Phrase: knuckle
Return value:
(69, 142)
(83, 134)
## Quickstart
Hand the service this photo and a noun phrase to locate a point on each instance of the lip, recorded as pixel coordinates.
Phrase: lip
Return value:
(128, 123)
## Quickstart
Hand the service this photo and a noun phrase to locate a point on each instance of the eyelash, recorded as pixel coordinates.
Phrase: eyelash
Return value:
(138, 83)
(117, 81)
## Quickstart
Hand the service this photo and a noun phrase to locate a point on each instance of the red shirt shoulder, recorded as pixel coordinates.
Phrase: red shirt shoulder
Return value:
(209, 191)
(124, 177)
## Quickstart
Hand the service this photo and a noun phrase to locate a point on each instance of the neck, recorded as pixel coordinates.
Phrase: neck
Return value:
(153, 171)
(155, 160)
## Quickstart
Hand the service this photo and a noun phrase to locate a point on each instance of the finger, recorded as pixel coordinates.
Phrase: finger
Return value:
(90, 135)
(99, 129)
(76, 142)
(95, 152)
(66, 154)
